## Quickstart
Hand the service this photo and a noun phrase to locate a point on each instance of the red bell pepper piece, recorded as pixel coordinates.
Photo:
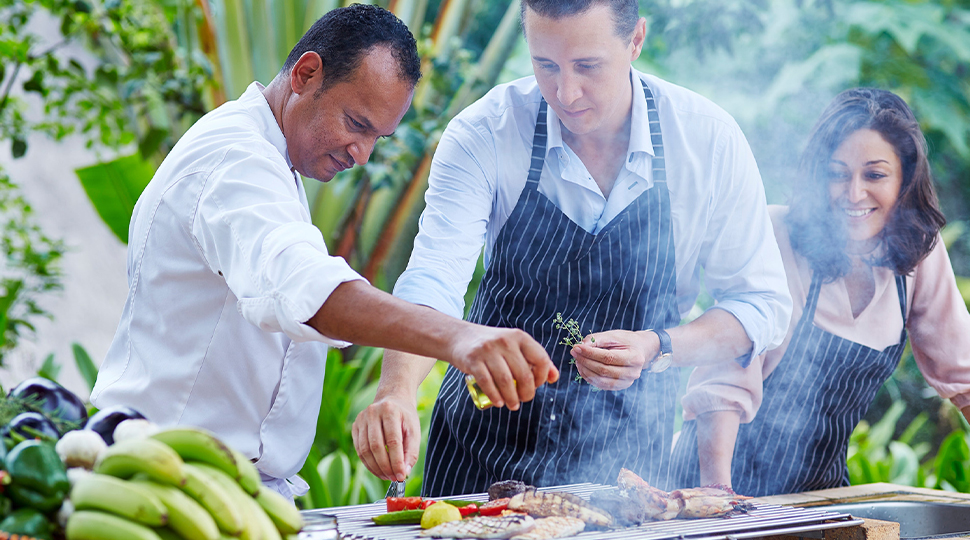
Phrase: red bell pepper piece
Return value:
(468, 509)
(396, 504)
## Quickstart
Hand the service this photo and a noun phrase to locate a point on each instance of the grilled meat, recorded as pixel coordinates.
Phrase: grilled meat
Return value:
(626, 512)
(552, 503)
(705, 502)
(553, 527)
(656, 503)
(483, 527)
(709, 502)
(508, 489)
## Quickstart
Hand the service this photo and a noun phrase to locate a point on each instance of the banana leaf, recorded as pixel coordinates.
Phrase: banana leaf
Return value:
(114, 188)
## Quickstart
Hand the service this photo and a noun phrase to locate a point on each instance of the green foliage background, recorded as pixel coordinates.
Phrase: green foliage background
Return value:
(773, 64)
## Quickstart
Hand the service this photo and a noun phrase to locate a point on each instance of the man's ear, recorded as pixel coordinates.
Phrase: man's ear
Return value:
(639, 37)
(306, 73)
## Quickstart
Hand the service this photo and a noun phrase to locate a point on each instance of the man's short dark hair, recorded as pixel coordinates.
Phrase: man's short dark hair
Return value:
(626, 13)
(343, 36)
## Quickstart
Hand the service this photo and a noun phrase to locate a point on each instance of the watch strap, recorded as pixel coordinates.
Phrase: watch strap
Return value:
(665, 355)
(666, 347)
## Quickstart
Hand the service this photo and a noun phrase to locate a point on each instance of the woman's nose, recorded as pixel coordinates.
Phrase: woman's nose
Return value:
(856, 190)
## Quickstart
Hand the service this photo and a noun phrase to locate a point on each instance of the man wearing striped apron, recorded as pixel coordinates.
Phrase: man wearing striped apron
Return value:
(599, 193)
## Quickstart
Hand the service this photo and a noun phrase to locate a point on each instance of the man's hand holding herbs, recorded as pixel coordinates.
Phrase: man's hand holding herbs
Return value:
(508, 364)
(613, 360)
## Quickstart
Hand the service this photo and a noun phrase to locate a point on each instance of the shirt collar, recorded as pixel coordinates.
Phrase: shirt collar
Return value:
(639, 118)
(255, 101)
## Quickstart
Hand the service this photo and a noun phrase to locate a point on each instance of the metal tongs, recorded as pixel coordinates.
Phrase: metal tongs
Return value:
(395, 490)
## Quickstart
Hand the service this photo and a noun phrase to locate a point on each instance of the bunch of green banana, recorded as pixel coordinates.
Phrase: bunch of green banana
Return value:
(180, 483)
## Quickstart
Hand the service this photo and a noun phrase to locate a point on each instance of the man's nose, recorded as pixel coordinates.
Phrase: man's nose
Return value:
(360, 151)
(569, 89)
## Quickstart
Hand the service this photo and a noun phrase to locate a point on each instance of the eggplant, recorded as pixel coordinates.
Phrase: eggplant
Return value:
(34, 421)
(53, 399)
(106, 420)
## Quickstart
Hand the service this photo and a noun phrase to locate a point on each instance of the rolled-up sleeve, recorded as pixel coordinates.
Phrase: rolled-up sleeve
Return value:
(254, 230)
(939, 327)
(743, 269)
(725, 387)
(452, 226)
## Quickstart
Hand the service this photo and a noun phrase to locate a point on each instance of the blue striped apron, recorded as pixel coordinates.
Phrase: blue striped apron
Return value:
(798, 440)
(543, 264)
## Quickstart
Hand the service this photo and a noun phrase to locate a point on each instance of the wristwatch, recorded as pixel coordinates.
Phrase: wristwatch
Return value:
(664, 356)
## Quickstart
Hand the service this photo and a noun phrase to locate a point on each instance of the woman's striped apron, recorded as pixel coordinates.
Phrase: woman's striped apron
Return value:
(544, 264)
(799, 439)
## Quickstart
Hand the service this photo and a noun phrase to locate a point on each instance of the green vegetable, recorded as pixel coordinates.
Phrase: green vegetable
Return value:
(38, 477)
(458, 504)
(402, 517)
(28, 522)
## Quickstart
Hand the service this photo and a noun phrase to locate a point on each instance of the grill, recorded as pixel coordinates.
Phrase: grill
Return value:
(354, 522)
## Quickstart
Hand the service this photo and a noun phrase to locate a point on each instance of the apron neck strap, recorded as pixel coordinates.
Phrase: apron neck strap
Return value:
(538, 147)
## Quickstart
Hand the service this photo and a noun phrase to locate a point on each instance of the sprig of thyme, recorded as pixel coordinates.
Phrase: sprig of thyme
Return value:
(574, 336)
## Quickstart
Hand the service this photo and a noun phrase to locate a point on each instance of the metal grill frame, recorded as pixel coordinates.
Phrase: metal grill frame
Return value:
(354, 522)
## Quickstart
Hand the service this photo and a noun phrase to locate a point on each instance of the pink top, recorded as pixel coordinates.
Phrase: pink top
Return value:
(938, 324)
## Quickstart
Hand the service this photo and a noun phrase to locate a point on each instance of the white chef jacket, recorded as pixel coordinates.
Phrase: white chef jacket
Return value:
(224, 268)
(718, 209)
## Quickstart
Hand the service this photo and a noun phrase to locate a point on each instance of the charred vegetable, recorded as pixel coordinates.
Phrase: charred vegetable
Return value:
(507, 489)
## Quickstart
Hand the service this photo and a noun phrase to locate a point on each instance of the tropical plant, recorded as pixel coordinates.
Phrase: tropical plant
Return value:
(137, 95)
(30, 267)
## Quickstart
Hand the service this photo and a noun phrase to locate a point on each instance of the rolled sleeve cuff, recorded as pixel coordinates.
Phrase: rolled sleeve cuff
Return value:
(297, 277)
(424, 291)
(719, 398)
(757, 327)
(961, 401)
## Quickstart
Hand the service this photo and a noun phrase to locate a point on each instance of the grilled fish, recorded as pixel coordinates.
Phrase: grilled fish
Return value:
(553, 527)
(559, 504)
(626, 511)
(704, 502)
(709, 502)
(656, 503)
(483, 527)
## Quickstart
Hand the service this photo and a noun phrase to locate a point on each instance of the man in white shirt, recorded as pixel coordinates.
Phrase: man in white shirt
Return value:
(599, 194)
(233, 298)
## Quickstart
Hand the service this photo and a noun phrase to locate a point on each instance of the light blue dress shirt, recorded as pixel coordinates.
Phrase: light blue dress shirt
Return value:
(718, 209)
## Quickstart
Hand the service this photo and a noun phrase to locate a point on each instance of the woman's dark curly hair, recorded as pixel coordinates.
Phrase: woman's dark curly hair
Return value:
(818, 233)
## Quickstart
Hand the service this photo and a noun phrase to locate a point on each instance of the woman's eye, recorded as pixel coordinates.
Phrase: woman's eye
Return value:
(837, 176)
(875, 176)
(586, 66)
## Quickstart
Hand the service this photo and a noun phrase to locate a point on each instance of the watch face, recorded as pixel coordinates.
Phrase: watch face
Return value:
(661, 363)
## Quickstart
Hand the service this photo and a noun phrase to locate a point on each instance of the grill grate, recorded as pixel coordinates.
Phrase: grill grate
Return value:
(354, 522)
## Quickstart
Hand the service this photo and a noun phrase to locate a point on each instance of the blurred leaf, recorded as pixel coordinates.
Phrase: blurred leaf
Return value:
(114, 187)
(335, 473)
(18, 147)
(904, 466)
(85, 366)
(49, 369)
(316, 496)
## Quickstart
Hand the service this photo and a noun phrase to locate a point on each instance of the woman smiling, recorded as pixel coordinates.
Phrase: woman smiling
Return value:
(865, 266)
